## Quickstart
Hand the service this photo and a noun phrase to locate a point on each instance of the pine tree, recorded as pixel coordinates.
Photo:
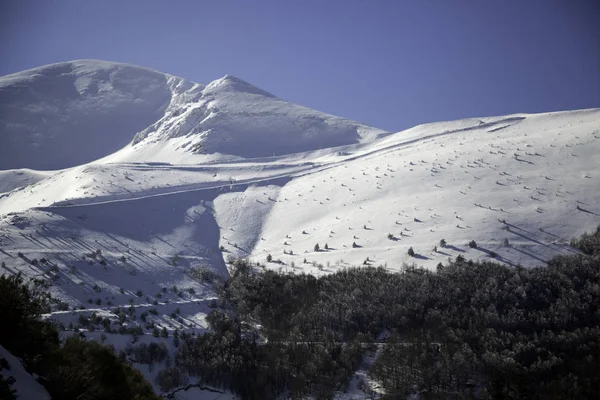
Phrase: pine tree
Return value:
(411, 252)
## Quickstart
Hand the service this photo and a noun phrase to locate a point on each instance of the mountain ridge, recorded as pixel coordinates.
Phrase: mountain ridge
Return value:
(66, 114)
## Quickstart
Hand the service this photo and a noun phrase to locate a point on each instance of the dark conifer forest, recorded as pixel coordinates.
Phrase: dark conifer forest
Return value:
(469, 329)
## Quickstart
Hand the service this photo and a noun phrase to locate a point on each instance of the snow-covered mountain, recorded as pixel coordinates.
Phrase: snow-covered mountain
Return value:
(166, 176)
(67, 114)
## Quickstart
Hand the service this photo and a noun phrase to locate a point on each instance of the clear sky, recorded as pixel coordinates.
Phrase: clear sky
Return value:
(392, 64)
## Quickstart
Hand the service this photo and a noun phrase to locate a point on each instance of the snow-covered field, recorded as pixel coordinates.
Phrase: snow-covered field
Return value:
(164, 176)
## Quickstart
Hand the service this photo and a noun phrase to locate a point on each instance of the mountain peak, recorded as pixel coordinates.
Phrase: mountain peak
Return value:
(230, 83)
(100, 107)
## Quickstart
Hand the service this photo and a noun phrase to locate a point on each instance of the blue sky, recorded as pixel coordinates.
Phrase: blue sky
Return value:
(392, 64)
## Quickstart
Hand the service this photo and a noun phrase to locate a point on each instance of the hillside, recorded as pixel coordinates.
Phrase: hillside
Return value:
(151, 183)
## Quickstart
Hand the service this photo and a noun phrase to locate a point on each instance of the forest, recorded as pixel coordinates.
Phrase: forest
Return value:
(468, 330)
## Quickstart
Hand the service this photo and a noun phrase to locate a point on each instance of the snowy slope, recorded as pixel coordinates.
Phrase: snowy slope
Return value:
(539, 173)
(228, 170)
(25, 384)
